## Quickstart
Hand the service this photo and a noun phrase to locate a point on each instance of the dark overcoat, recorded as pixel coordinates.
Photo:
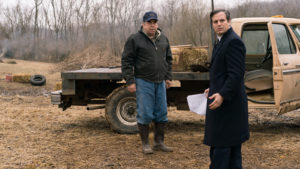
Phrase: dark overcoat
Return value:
(228, 124)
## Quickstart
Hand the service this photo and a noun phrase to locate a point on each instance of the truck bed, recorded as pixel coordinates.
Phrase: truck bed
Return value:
(115, 74)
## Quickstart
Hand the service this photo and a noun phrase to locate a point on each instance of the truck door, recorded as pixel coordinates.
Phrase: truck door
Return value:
(286, 68)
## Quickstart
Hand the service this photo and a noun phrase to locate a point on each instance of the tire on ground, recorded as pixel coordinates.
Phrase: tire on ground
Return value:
(37, 80)
(120, 111)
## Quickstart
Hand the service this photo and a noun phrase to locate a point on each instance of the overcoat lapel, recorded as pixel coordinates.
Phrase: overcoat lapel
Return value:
(216, 50)
(218, 47)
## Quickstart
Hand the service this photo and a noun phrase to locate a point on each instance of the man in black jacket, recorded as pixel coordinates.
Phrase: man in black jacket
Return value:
(146, 67)
(226, 125)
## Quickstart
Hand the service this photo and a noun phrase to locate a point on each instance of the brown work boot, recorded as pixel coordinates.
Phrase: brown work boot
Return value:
(144, 133)
(159, 138)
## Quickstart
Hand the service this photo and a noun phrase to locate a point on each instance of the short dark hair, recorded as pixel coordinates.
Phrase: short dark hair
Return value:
(227, 13)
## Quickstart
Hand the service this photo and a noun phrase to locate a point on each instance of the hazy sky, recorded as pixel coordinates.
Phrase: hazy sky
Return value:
(218, 3)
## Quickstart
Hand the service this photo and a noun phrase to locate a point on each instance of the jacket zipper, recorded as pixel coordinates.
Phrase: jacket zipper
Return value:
(154, 43)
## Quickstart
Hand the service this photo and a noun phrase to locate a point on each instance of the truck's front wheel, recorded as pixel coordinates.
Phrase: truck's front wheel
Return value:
(121, 111)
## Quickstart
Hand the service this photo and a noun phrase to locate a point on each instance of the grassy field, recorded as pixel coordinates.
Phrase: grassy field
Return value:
(28, 67)
(36, 134)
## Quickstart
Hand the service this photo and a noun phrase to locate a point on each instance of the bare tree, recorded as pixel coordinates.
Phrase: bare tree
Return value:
(37, 3)
(170, 15)
(83, 12)
(127, 17)
(111, 9)
(56, 27)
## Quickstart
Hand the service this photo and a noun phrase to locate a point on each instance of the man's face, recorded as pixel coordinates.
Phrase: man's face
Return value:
(220, 23)
(150, 27)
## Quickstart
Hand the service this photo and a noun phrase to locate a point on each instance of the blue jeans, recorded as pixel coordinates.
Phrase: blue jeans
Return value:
(151, 102)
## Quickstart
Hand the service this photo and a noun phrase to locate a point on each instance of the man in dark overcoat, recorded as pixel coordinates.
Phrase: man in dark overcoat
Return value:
(226, 126)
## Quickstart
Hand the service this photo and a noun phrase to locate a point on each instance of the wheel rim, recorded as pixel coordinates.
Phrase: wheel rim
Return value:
(126, 111)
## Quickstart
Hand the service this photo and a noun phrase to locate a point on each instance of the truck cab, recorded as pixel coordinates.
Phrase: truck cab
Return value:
(272, 77)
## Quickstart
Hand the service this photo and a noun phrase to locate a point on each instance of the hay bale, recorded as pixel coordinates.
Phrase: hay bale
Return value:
(21, 78)
(186, 56)
(194, 56)
(177, 66)
(58, 86)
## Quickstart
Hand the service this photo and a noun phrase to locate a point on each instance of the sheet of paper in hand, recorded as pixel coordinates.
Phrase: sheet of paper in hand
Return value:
(197, 103)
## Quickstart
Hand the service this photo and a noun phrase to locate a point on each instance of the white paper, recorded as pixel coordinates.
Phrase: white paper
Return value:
(197, 103)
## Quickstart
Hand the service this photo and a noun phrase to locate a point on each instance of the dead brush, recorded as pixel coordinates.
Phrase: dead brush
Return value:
(92, 57)
(11, 62)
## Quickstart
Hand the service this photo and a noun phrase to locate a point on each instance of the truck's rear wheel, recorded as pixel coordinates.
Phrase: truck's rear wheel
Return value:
(121, 111)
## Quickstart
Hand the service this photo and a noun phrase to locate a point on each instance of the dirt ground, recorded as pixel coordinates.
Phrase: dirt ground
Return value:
(36, 134)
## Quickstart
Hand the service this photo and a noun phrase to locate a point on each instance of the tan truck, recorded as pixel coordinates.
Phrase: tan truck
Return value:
(272, 77)
(272, 61)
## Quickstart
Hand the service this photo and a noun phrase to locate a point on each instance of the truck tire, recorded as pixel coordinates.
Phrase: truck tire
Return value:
(120, 111)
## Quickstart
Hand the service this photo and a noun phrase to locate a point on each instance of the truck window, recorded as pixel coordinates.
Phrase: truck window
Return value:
(256, 41)
(296, 30)
(284, 41)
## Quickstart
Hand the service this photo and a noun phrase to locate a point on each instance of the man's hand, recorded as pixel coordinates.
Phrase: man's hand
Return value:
(218, 100)
(206, 91)
(168, 84)
(131, 88)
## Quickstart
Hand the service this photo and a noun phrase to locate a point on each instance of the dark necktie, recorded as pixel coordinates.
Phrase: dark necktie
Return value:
(217, 42)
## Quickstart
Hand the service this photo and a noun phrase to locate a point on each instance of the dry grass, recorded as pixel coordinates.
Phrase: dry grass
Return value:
(92, 57)
(11, 62)
(36, 134)
(23, 66)
(27, 68)
(58, 86)
(21, 78)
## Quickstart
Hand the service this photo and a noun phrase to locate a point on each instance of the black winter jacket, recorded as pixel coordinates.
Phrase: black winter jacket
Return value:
(143, 58)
